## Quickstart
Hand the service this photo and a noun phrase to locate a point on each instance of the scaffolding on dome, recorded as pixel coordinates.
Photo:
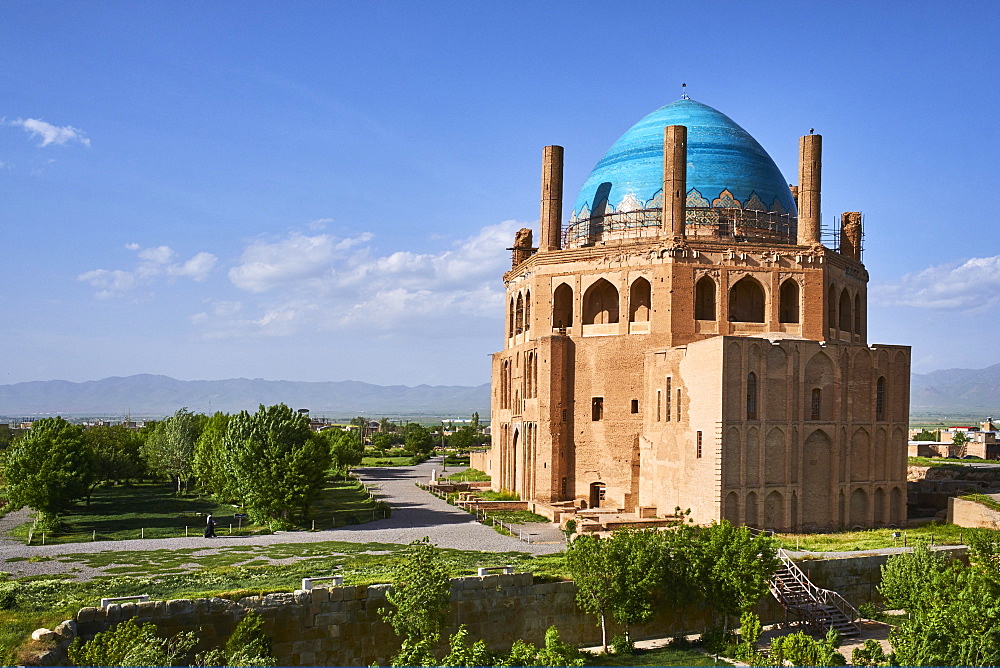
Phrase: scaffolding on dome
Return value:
(740, 225)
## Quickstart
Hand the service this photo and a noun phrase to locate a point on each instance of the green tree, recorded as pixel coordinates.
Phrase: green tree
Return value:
(960, 440)
(419, 599)
(418, 440)
(906, 578)
(209, 465)
(732, 568)
(116, 455)
(131, 644)
(346, 449)
(617, 576)
(926, 435)
(463, 440)
(475, 422)
(49, 468)
(276, 465)
(953, 616)
(382, 441)
(169, 448)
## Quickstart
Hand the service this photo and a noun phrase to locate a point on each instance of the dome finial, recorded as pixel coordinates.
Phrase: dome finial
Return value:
(684, 95)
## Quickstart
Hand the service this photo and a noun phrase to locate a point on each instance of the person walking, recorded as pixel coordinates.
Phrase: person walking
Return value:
(210, 527)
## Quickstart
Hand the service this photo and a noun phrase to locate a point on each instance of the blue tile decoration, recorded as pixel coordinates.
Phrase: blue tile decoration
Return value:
(726, 166)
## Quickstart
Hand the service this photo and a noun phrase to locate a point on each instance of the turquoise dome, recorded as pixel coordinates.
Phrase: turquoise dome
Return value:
(726, 167)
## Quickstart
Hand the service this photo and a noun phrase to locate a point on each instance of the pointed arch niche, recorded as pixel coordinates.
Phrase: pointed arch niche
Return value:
(562, 307)
(746, 301)
(600, 304)
(639, 304)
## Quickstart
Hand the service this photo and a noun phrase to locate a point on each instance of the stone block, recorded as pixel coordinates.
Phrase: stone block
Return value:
(330, 619)
(67, 629)
(179, 606)
(44, 635)
(331, 606)
(349, 593)
(320, 595)
(113, 613)
(307, 659)
(88, 615)
(145, 609)
(337, 594)
(128, 610)
(377, 591)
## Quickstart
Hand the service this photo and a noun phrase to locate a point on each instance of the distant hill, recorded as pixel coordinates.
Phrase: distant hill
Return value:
(966, 392)
(147, 395)
(956, 391)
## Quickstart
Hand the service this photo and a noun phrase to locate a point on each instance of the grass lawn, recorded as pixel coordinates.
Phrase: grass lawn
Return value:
(950, 462)
(664, 656)
(469, 475)
(870, 539)
(386, 461)
(153, 511)
(236, 571)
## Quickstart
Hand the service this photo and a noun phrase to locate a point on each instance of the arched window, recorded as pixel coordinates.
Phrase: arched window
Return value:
(880, 399)
(831, 308)
(510, 318)
(857, 313)
(704, 299)
(600, 304)
(746, 301)
(751, 396)
(639, 301)
(816, 404)
(519, 315)
(562, 307)
(527, 310)
(845, 311)
(788, 306)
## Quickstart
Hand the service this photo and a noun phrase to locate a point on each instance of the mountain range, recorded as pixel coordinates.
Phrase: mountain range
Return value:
(146, 395)
(944, 392)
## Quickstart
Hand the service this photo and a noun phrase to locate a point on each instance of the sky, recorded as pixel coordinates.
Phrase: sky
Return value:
(325, 190)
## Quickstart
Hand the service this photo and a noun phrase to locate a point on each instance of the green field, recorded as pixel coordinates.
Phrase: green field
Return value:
(155, 511)
(871, 539)
(665, 656)
(235, 571)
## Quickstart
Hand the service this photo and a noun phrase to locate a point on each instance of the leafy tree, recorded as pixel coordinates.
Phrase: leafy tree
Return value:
(869, 654)
(382, 441)
(733, 568)
(906, 578)
(960, 441)
(617, 576)
(475, 422)
(276, 465)
(49, 468)
(926, 435)
(802, 650)
(169, 449)
(418, 440)
(463, 440)
(131, 644)
(209, 465)
(420, 599)
(953, 619)
(346, 449)
(249, 645)
(462, 655)
(116, 455)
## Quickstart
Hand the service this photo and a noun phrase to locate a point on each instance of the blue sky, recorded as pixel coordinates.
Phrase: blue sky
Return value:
(323, 190)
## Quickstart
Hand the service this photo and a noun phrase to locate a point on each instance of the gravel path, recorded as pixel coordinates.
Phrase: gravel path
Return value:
(415, 514)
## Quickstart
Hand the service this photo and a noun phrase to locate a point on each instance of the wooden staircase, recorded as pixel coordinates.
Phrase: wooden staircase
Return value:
(818, 608)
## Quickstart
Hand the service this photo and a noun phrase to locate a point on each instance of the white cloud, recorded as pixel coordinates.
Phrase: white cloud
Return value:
(972, 286)
(322, 282)
(152, 264)
(51, 134)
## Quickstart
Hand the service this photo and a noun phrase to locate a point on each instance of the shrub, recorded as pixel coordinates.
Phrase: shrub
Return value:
(869, 654)
(623, 645)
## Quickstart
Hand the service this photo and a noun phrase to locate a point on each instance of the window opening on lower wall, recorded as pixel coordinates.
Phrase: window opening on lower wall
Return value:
(597, 409)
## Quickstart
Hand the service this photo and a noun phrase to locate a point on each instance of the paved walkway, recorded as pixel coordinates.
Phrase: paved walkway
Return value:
(415, 514)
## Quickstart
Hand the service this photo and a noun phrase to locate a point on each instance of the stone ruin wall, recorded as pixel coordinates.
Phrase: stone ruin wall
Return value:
(340, 626)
